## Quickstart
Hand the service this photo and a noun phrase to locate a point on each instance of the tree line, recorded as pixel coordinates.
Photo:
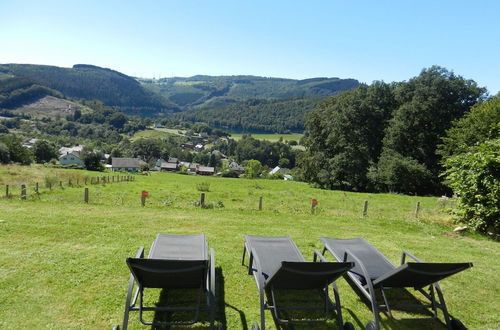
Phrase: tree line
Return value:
(436, 133)
(255, 115)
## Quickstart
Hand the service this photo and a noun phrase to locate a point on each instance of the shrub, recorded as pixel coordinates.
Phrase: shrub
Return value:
(397, 173)
(203, 186)
(50, 180)
(475, 178)
(230, 174)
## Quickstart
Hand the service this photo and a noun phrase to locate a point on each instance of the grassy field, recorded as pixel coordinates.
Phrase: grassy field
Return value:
(156, 133)
(271, 137)
(62, 261)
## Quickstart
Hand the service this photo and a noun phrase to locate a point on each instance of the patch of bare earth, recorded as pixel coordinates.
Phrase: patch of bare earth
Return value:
(50, 106)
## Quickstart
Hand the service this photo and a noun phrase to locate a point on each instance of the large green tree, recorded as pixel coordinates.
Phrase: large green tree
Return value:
(429, 103)
(345, 137)
(480, 124)
(44, 151)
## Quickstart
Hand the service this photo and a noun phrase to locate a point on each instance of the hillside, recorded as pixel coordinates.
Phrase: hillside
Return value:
(50, 106)
(255, 115)
(85, 82)
(241, 103)
(212, 91)
(17, 91)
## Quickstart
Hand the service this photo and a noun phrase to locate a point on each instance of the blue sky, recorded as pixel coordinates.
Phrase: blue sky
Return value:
(365, 40)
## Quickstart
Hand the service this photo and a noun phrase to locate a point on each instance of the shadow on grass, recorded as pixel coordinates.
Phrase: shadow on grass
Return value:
(311, 299)
(408, 317)
(178, 298)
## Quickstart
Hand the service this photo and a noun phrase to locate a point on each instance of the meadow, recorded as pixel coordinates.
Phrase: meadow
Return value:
(62, 262)
(270, 137)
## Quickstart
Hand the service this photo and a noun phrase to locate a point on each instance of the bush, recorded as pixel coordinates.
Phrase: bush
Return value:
(4, 154)
(475, 177)
(50, 180)
(230, 174)
(203, 186)
(397, 173)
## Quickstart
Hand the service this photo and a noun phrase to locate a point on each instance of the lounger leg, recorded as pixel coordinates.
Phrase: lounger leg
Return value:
(127, 302)
(262, 309)
(243, 257)
(338, 308)
(442, 304)
(211, 293)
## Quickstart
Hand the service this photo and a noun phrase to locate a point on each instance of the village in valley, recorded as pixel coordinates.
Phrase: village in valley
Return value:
(249, 165)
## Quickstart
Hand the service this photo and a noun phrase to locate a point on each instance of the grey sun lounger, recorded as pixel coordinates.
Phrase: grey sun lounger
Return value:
(174, 262)
(277, 264)
(374, 272)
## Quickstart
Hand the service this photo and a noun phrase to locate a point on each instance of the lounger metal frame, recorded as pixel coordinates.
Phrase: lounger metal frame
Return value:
(260, 280)
(369, 292)
(208, 288)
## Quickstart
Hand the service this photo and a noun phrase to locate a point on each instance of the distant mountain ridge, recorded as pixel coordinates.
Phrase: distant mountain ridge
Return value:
(241, 102)
(212, 91)
(90, 82)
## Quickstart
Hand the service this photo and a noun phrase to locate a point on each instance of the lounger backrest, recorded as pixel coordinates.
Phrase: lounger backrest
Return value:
(271, 251)
(375, 262)
(168, 274)
(179, 247)
(418, 275)
(307, 275)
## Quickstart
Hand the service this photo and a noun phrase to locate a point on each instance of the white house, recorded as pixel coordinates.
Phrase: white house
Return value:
(71, 159)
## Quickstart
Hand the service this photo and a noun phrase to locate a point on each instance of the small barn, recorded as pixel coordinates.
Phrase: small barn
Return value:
(126, 164)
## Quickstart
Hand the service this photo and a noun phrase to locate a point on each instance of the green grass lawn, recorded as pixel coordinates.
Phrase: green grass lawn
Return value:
(271, 137)
(62, 262)
(155, 133)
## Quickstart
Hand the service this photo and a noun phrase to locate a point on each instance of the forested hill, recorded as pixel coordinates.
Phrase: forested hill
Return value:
(214, 91)
(85, 82)
(255, 115)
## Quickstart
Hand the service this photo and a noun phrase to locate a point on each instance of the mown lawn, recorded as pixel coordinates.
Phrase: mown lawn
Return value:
(271, 137)
(62, 261)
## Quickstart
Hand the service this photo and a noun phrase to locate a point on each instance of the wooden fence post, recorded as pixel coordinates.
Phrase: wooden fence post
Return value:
(365, 209)
(202, 200)
(417, 209)
(36, 187)
(86, 195)
(50, 185)
(260, 203)
(60, 184)
(69, 183)
(23, 192)
(7, 190)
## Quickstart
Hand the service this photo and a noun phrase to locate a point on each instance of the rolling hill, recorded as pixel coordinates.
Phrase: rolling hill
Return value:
(213, 91)
(241, 103)
(83, 82)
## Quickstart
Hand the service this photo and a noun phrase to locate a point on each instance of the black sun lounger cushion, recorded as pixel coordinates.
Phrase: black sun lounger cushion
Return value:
(383, 273)
(376, 263)
(418, 275)
(174, 261)
(284, 266)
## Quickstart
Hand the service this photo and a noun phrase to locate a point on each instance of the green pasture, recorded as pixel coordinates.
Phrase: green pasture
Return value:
(62, 262)
(271, 137)
(154, 133)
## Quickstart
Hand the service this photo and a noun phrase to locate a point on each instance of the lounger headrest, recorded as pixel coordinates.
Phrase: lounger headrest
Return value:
(161, 273)
(307, 275)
